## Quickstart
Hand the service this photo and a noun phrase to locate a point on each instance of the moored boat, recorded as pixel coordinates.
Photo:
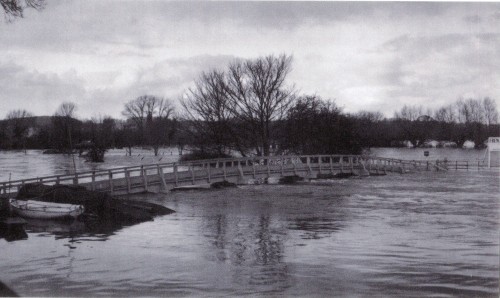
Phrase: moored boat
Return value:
(45, 210)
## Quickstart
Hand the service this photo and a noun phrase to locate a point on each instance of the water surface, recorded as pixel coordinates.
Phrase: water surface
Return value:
(413, 235)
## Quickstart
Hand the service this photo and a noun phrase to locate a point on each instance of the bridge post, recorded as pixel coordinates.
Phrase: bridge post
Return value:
(110, 176)
(192, 174)
(268, 167)
(341, 161)
(308, 160)
(240, 170)
(282, 167)
(331, 164)
(253, 168)
(162, 178)
(224, 170)
(92, 183)
(208, 173)
(176, 175)
(144, 178)
(127, 177)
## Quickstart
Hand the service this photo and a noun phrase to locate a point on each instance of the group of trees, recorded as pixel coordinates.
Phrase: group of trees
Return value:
(249, 108)
(467, 119)
(239, 108)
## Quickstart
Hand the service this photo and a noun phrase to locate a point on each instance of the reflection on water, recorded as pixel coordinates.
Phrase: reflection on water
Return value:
(415, 235)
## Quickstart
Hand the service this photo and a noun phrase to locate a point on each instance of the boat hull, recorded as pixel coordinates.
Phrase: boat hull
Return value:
(45, 210)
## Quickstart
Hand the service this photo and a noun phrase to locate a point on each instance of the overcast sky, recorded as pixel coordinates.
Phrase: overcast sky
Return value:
(370, 56)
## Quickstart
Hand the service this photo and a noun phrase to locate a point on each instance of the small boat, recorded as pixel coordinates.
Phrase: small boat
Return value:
(45, 210)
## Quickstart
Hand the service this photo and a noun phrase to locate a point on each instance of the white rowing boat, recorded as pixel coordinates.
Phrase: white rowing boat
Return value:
(45, 210)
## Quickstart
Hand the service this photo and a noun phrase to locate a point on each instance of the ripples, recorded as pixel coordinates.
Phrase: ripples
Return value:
(399, 235)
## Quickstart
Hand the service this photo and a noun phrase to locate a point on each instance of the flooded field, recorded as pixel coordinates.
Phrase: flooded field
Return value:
(413, 235)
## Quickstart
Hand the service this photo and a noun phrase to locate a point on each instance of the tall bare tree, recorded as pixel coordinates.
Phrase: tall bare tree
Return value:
(208, 109)
(63, 124)
(490, 111)
(259, 96)
(151, 115)
(445, 114)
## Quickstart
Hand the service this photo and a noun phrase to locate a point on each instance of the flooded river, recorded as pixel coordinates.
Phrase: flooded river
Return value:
(413, 235)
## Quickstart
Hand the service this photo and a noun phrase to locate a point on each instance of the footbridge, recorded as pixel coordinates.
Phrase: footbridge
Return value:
(165, 176)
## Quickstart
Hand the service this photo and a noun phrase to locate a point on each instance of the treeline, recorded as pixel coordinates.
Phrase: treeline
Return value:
(249, 109)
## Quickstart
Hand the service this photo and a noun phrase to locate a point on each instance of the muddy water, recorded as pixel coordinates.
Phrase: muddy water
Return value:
(413, 235)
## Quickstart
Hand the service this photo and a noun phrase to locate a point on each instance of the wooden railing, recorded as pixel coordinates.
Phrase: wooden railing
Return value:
(174, 173)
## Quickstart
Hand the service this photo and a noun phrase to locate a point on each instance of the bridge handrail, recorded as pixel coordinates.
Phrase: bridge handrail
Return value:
(268, 161)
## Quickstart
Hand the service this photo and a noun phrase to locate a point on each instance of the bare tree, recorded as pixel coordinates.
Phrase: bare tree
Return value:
(66, 109)
(410, 113)
(445, 114)
(369, 116)
(470, 110)
(150, 115)
(490, 111)
(15, 8)
(208, 108)
(18, 124)
(259, 97)
(63, 123)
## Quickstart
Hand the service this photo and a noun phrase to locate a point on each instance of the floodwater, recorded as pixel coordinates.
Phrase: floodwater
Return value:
(413, 235)
(16, 165)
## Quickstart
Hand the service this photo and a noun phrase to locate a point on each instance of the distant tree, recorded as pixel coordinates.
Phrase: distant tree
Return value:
(445, 114)
(153, 119)
(407, 119)
(490, 111)
(15, 8)
(316, 126)
(472, 115)
(19, 122)
(369, 128)
(259, 97)
(208, 108)
(64, 126)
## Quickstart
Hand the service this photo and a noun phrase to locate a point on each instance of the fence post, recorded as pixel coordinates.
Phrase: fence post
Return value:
(191, 170)
(176, 175)
(145, 178)
(224, 170)
(162, 178)
(253, 168)
(127, 177)
(282, 167)
(110, 177)
(92, 185)
(268, 167)
(208, 173)
(75, 179)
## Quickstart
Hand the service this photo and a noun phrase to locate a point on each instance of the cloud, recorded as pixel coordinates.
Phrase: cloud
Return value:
(364, 54)
(38, 92)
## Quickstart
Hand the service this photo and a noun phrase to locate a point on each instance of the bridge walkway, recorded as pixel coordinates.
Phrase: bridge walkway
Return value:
(165, 176)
